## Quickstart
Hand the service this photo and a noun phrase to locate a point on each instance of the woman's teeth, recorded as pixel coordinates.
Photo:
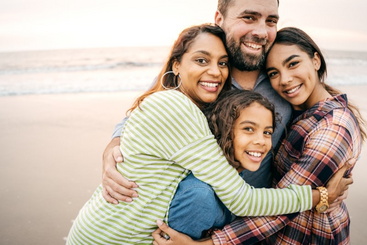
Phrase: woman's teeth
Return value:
(292, 90)
(212, 85)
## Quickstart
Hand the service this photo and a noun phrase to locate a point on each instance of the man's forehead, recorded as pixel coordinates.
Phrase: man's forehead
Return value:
(266, 6)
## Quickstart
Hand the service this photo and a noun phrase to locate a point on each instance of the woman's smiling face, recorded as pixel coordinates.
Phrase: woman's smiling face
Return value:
(293, 75)
(203, 69)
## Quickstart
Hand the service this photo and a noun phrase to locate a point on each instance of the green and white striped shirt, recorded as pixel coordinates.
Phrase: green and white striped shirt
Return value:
(161, 142)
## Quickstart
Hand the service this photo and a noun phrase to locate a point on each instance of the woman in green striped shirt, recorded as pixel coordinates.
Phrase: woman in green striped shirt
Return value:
(166, 137)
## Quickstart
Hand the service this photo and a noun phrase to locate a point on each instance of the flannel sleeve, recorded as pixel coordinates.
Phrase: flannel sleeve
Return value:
(325, 150)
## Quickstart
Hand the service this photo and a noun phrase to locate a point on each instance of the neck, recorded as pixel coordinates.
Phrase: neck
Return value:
(319, 94)
(197, 103)
(246, 79)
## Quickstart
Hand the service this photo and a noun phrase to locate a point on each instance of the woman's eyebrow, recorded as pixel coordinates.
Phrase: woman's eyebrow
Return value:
(207, 53)
(284, 62)
(290, 58)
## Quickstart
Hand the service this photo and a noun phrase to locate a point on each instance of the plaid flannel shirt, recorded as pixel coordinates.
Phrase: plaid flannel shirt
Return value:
(319, 142)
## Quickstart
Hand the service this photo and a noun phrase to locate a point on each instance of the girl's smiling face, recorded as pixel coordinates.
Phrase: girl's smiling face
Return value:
(293, 75)
(252, 136)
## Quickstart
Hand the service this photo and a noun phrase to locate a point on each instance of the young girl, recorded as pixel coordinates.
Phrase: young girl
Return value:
(325, 133)
(165, 137)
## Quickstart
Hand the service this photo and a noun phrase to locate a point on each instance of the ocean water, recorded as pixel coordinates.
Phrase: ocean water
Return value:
(123, 69)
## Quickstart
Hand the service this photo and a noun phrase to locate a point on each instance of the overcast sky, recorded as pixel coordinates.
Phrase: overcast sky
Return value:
(59, 24)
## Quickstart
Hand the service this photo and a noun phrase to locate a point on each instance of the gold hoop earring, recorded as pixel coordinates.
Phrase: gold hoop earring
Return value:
(168, 72)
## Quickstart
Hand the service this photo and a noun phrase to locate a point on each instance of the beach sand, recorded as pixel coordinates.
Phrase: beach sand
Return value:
(51, 151)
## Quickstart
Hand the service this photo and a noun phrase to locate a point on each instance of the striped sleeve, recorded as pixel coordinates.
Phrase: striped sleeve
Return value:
(189, 143)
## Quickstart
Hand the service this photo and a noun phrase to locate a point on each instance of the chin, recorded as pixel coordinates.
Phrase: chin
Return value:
(253, 168)
(211, 100)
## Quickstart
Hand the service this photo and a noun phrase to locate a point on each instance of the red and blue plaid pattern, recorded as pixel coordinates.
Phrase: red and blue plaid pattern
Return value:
(319, 142)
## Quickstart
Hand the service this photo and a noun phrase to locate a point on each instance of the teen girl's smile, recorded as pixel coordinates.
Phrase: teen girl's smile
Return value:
(252, 136)
(293, 75)
(203, 69)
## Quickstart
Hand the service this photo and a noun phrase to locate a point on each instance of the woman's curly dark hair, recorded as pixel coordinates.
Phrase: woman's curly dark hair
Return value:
(223, 113)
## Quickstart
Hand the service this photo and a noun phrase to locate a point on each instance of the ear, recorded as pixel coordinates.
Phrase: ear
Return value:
(316, 61)
(176, 67)
(218, 18)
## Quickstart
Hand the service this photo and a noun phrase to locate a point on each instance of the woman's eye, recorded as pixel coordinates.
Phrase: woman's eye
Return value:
(223, 63)
(293, 63)
(272, 74)
(201, 61)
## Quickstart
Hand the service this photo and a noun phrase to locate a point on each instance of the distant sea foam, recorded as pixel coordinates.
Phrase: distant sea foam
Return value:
(122, 69)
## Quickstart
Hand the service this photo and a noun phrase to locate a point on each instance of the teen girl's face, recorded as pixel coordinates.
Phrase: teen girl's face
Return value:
(203, 69)
(252, 136)
(293, 74)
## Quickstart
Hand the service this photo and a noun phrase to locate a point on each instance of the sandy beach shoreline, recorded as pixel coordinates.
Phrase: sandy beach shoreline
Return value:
(51, 151)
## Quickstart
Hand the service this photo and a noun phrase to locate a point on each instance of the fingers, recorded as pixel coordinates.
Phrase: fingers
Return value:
(348, 166)
(166, 231)
(342, 172)
(334, 205)
(347, 181)
(108, 197)
(351, 162)
(119, 192)
(118, 182)
(343, 196)
(158, 238)
(163, 226)
(332, 209)
(117, 156)
(116, 186)
(115, 196)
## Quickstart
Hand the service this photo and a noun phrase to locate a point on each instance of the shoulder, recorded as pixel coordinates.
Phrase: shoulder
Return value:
(335, 117)
(171, 104)
(168, 98)
(338, 113)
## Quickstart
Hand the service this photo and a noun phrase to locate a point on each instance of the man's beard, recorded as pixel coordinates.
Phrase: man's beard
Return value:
(243, 61)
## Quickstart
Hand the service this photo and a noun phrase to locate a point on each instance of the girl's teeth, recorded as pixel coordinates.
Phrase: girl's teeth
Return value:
(255, 154)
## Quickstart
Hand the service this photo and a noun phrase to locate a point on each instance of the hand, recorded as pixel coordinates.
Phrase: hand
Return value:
(338, 184)
(174, 236)
(115, 186)
(336, 204)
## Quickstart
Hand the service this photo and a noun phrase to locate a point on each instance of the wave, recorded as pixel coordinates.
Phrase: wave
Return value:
(126, 69)
(73, 68)
(347, 62)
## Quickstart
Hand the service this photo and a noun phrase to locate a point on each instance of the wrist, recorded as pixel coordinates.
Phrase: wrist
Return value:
(323, 204)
